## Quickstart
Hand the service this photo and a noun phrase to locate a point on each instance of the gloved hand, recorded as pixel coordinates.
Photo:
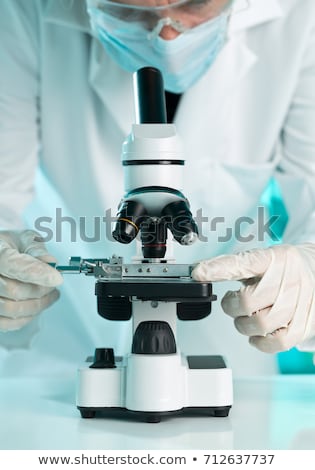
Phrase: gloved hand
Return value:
(27, 283)
(275, 307)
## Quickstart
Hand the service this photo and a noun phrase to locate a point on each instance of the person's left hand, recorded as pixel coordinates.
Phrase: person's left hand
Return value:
(275, 307)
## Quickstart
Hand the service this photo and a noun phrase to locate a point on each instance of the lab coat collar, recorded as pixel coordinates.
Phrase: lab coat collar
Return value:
(107, 79)
(250, 13)
(69, 13)
(113, 86)
(203, 103)
(216, 90)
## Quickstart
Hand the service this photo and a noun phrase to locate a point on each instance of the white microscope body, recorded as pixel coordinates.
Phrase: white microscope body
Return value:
(154, 385)
(155, 378)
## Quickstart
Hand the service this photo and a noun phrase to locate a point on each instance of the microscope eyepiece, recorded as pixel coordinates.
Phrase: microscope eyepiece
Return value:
(149, 96)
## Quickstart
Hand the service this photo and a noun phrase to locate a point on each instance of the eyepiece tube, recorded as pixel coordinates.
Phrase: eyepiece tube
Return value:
(149, 96)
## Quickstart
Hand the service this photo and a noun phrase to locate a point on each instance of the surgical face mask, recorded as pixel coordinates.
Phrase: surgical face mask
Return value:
(182, 61)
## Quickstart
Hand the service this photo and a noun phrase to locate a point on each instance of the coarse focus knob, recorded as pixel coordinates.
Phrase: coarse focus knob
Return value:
(153, 337)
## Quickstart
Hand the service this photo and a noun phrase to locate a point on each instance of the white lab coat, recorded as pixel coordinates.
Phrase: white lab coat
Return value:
(65, 105)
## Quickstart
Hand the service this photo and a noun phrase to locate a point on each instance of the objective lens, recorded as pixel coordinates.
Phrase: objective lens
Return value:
(180, 222)
(129, 218)
(153, 238)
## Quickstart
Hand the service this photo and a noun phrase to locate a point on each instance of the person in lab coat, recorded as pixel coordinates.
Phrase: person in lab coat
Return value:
(239, 77)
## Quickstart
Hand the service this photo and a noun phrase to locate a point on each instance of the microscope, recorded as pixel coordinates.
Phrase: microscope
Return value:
(154, 379)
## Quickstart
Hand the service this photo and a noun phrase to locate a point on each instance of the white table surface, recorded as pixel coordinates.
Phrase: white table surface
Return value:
(269, 413)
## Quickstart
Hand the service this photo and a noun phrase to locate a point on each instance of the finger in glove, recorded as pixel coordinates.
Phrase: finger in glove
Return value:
(17, 290)
(12, 310)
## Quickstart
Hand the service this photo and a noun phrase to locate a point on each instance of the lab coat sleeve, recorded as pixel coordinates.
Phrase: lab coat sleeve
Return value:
(296, 171)
(19, 107)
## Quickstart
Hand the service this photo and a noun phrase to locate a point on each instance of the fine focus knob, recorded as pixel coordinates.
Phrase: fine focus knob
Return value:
(103, 359)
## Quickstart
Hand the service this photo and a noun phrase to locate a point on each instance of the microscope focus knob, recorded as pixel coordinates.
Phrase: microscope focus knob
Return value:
(153, 337)
(103, 359)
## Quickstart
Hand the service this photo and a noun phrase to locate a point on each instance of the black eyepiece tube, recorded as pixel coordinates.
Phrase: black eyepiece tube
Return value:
(149, 96)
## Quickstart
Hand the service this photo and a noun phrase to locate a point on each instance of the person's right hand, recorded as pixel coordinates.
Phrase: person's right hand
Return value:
(27, 283)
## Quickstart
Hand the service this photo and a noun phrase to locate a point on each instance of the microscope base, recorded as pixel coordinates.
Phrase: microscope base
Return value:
(151, 416)
(167, 385)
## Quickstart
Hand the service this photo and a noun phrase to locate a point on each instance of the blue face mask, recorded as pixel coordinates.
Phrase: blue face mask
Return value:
(182, 61)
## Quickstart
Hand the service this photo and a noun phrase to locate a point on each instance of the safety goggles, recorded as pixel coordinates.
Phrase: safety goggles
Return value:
(184, 14)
